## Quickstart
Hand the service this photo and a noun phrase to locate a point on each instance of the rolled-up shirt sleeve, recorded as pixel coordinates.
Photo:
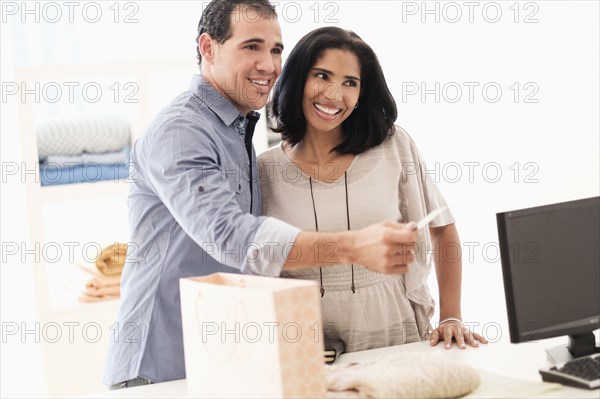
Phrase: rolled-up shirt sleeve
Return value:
(274, 240)
(185, 172)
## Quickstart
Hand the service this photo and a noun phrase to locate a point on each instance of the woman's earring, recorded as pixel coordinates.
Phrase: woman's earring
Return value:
(356, 106)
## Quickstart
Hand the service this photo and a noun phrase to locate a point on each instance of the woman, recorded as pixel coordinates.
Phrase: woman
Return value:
(343, 164)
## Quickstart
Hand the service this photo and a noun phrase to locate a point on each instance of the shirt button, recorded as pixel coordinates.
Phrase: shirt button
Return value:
(201, 189)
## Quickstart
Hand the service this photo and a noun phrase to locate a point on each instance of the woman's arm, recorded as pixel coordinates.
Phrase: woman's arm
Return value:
(448, 269)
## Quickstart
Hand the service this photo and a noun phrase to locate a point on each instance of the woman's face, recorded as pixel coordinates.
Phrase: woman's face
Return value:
(331, 91)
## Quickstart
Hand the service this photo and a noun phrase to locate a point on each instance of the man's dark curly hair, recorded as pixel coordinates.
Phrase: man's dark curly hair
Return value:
(216, 18)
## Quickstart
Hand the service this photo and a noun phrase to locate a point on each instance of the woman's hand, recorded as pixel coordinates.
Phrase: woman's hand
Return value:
(455, 329)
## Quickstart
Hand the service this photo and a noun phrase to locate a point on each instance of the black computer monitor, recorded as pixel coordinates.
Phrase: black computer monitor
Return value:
(551, 269)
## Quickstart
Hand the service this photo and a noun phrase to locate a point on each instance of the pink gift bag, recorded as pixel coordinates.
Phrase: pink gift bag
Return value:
(250, 336)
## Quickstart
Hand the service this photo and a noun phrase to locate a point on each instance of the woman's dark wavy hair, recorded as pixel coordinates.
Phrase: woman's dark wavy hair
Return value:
(368, 126)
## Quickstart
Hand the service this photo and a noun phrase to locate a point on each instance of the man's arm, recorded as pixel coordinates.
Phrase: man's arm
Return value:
(385, 247)
(187, 178)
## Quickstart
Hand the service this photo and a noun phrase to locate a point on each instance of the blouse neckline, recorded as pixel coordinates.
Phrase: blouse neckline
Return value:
(307, 177)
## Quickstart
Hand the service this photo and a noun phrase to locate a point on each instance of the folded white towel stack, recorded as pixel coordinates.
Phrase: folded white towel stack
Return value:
(83, 134)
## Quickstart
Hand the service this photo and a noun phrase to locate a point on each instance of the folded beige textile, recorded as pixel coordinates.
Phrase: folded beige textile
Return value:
(99, 288)
(102, 291)
(402, 375)
(90, 298)
(111, 260)
(97, 282)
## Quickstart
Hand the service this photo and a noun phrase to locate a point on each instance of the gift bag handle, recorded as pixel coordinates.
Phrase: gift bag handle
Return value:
(216, 355)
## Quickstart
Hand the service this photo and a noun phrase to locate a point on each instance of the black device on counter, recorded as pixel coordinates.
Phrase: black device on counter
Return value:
(551, 269)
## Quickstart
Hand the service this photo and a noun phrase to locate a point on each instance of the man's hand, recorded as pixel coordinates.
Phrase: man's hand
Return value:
(385, 247)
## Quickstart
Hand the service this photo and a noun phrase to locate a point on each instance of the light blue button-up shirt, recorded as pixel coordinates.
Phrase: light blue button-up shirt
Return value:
(189, 213)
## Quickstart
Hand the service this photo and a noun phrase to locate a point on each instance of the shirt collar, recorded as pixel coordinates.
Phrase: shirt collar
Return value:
(222, 107)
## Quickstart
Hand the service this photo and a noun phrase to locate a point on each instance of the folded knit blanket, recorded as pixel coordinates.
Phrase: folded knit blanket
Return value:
(403, 375)
(84, 133)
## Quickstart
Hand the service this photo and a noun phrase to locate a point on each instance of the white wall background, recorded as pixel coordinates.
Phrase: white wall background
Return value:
(491, 150)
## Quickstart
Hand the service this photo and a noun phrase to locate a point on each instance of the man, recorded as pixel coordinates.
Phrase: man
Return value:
(195, 199)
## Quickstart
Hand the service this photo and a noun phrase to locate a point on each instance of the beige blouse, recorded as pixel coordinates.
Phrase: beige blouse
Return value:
(384, 183)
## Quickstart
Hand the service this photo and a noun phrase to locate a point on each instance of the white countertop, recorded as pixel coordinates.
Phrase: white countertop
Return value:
(502, 360)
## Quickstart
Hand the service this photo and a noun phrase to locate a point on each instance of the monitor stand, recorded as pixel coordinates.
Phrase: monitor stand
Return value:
(579, 345)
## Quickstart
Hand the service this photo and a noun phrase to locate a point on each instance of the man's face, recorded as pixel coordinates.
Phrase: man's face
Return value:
(245, 67)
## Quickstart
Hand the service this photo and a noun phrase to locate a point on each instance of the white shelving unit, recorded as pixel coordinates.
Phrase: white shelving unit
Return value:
(82, 191)
(56, 284)
(57, 206)
(39, 197)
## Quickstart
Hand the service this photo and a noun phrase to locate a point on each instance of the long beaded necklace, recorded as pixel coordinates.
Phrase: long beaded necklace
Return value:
(312, 196)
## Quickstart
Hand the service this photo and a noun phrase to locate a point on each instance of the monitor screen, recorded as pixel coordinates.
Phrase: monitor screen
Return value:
(551, 269)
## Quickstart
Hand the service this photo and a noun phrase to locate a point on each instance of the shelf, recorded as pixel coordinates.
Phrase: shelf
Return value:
(76, 307)
(65, 283)
(69, 217)
(79, 191)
